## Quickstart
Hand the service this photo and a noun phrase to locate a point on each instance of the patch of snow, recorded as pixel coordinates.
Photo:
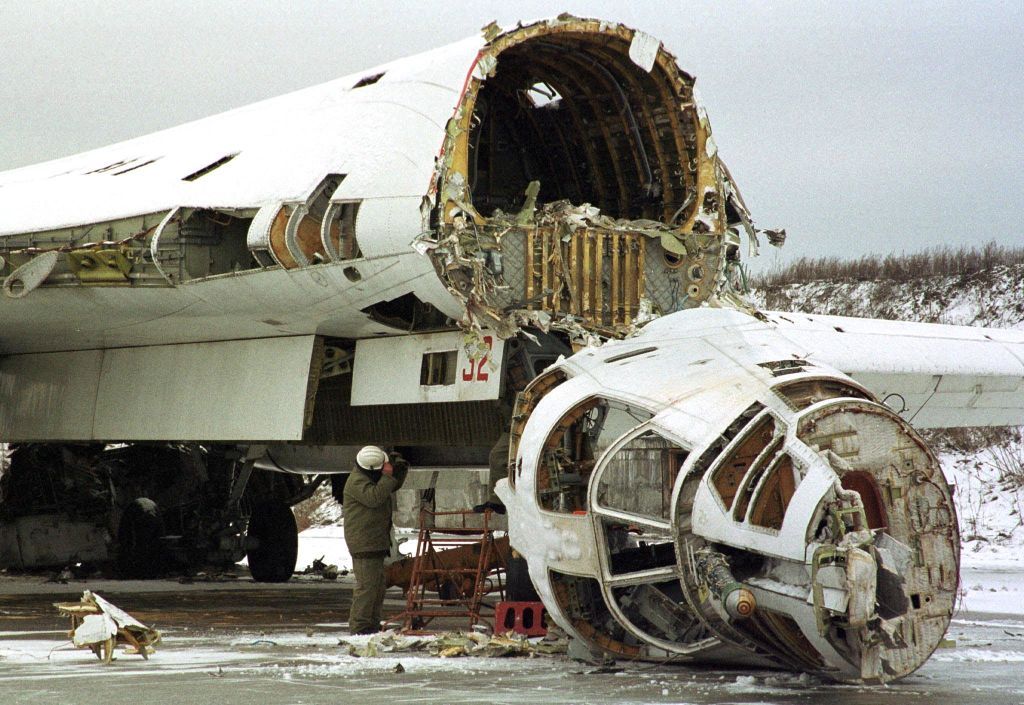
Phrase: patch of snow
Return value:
(999, 591)
(990, 505)
(979, 655)
(994, 624)
(61, 655)
(328, 542)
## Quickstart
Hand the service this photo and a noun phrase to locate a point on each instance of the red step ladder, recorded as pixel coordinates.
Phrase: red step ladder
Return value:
(460, 587)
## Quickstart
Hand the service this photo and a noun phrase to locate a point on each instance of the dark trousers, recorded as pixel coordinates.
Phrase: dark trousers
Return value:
(368, 597)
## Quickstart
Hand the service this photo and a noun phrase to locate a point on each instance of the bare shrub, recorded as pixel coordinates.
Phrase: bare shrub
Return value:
(1008, 460)
(970, 440)
(935, 261)
(999, 447)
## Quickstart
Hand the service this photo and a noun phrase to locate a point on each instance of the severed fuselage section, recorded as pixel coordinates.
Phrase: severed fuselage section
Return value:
(673, 503)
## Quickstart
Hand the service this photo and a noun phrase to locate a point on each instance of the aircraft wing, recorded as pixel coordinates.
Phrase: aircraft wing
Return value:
(381, 127)
(935, 376)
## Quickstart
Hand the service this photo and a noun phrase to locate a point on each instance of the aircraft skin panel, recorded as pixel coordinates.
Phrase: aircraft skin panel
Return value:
(388, 225)
(941, 401)
(51, 395)
(240, 390)
(707, 355)
(391, 370)
(250, 304)
(385, 135)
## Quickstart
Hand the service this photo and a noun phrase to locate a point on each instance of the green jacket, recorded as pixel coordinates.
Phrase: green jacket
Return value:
(368, 505)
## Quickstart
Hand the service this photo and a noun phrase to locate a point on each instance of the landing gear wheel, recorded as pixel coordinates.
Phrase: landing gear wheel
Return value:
(139, 552)
(518, 587)
(275, 540)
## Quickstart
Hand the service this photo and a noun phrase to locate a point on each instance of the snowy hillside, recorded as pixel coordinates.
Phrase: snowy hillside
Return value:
(986, 298)
(990, 498)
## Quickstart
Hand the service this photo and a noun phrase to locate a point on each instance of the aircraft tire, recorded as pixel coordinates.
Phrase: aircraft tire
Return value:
(139, 553)
(518, 586)
(276, 542)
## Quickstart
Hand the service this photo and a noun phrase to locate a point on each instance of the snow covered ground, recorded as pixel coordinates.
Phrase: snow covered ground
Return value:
(295, 667)
(990, 503)
(327, 542)
(991, 298)
(990, 506)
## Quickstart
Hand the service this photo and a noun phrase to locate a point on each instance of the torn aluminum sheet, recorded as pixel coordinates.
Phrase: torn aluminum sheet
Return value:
(643, 50)
(101, 626)
(607, 298)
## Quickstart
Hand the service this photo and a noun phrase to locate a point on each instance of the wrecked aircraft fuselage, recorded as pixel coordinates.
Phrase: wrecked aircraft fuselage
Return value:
(597, 123)
(696, 508)
(574, 192)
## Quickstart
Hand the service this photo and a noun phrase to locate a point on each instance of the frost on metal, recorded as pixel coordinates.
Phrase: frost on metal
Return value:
(579, 186)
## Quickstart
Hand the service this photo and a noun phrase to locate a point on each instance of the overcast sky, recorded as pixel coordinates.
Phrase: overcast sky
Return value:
(859, 127)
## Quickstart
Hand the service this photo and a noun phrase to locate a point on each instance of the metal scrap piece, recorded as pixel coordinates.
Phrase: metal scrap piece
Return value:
(100, 626)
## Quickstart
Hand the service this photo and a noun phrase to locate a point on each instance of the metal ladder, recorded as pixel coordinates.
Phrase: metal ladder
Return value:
(460, 578)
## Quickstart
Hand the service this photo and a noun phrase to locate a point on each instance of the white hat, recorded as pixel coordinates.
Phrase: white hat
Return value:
(371, 458)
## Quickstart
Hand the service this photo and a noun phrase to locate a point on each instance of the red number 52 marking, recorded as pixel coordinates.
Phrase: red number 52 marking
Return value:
(474, 371)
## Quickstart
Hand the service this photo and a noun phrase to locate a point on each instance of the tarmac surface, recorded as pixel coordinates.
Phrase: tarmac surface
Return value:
(240, 642)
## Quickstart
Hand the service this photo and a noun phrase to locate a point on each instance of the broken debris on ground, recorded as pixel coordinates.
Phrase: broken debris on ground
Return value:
(100, 626)
(453, 644)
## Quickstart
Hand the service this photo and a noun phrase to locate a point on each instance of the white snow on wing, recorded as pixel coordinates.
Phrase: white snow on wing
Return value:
(941, 376)
(876, 345)
(282, 147)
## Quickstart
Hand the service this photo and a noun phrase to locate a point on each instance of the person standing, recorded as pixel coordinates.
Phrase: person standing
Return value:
(368, 501)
